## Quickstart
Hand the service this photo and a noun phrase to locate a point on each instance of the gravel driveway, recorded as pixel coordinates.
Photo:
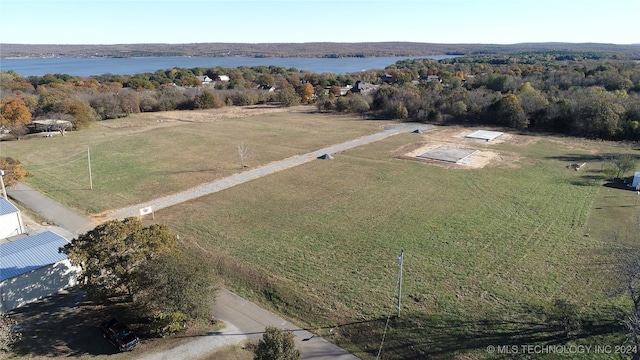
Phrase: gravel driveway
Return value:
(245, 320)
(236, 179)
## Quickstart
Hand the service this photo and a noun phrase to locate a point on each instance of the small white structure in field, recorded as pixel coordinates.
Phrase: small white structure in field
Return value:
(636, 181)
(484, 135)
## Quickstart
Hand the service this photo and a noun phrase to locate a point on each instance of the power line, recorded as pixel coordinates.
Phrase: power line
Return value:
(400, 260)
(83, 157)
(58, 160)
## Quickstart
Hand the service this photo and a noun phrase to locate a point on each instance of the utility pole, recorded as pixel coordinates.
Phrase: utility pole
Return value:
(4, 191)
(89, 162)
(400, 261)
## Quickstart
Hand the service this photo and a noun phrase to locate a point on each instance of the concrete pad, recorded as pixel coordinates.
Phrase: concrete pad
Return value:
(447, 154)
(484, 135)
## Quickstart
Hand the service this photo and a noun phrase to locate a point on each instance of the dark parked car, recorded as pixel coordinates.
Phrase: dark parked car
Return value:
(119, 335)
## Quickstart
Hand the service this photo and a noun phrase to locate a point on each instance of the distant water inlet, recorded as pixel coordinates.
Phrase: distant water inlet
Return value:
(136, 65)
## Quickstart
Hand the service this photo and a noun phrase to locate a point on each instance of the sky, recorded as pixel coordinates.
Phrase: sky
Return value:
(302, 21)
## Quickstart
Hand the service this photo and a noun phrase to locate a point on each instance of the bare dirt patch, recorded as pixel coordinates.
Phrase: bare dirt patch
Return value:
(176, 118)
(456, 137)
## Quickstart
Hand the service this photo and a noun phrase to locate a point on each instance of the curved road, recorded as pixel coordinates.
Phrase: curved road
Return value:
(245, 319)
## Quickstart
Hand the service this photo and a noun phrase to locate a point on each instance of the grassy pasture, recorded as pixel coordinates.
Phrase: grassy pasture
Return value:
(493, 256)
(148, 155)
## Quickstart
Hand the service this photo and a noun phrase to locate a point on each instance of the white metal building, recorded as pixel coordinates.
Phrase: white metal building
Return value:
(10, 219)
(636, 180)
(32, 268)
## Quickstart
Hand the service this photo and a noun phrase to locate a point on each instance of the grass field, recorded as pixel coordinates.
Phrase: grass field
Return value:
(148, 155)
(503, 255)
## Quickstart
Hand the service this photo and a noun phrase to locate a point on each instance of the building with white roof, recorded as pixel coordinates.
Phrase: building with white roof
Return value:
(31, 267)
(10, 220)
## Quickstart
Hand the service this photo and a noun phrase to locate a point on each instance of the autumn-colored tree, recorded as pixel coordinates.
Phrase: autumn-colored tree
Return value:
(80, 111)
(14, 112)
(112, 254)
(334, 90)
(306, 93)
(13, 171)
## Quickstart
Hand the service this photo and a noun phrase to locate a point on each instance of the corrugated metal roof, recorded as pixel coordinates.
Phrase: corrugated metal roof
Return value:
(6, 207)
(30, 253)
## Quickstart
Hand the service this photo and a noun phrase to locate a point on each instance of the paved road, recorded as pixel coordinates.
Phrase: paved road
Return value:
(251, 320)
(201, 346)
(264, 170)
(51, 210)
(245, 319)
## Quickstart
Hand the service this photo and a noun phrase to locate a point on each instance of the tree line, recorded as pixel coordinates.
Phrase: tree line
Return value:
(589, 94)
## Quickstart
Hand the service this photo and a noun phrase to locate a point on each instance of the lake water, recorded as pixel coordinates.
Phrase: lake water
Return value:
(130, 66)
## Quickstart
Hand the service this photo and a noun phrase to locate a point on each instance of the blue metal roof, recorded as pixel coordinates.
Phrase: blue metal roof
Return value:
(30, 253)
(6, 207)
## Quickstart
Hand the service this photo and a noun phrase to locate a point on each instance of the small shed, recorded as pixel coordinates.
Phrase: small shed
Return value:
(10, 219)
(636, 180)
(31, 268)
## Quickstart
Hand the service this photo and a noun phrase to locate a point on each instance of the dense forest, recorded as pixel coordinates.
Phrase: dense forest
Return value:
(590, 94)
(311, 49)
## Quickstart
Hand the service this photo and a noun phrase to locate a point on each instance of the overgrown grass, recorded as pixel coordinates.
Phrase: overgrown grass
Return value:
(502, 255)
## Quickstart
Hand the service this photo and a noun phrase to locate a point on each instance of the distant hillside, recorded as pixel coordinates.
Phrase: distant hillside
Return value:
(378, 49)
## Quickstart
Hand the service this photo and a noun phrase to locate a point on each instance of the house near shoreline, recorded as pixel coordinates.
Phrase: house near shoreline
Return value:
(31, 267)
(204, 80)
(363, 88)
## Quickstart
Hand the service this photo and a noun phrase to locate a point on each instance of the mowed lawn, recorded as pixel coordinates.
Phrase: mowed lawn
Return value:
(503, 255)
(493, 256)
(146, 156)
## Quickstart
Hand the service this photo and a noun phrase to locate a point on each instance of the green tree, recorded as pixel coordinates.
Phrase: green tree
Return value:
(288, 97)
(357, 104)
(266, 79)
(177, 283)
(510, 112)
(459, 109)
(276, 345)
(619, 166)
(112, 254)
(599, 115)
(207, 100)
